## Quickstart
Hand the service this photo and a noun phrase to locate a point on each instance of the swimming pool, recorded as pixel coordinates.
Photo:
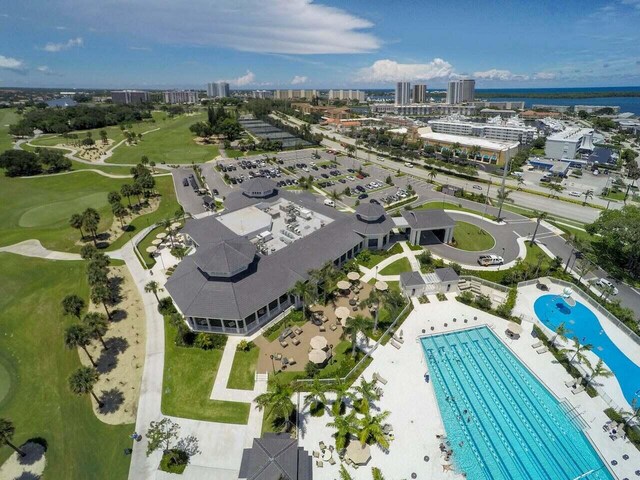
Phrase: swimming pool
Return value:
(501, 422)
(552, 310)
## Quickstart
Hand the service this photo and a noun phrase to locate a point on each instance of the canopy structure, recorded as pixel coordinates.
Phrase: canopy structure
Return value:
(343, 285)
(514, 328)
(318, 342)
(342, 312)
(161, 235)
(151, 249)
(318, 356)
(156, 241)
(382, 286)
(570, 301)
(358, 453)
(353, 276)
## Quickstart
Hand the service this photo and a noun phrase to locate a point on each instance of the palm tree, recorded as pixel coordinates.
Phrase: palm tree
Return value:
(584, 267)
(520, 183)
(634, 413)
(305, 292)
(97, 326)
(375, 299)
(100, 293)
(432, 174)
(166, 223)
(587, 195)
(345, 426)
(372, 429)
(353, 326)
(368, 394)
(90, 221)
(152, 287)
(376, 473)
(73, 305)
(560, 332)
(503, 194)
(343, 393)
(344, 475)
(316, 397)
(119, 211)
(599, 371)
(7, 429)
(78, 335)
(277, 401)
(82, 382)
(578, 349)
(335, 195)
(539, 217)
(76, 222)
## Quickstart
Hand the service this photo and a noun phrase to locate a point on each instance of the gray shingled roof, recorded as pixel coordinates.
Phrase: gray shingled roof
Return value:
(370, 211)
(428, 219)
(276, 457)
(382, 226)
(225, 256)
(447, 274)
(258, 184)
(411, 279)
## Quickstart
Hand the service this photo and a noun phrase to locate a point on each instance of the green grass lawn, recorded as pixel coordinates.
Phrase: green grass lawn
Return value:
(113, 169)
(397, 267)
(376, 256)
(145, 243)
(173, 143)
(243, 369)
(189, 374)
(40, 207)
(294, 317)
(7, 117)
(39, 403)
(472, 238)
(531, 258)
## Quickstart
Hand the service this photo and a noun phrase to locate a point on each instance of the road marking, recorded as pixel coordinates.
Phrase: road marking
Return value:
(517, 234)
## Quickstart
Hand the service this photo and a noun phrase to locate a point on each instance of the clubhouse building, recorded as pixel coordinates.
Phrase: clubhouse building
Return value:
(243, 262)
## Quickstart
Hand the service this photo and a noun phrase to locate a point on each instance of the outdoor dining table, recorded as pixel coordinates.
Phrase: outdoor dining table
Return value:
(326, 455)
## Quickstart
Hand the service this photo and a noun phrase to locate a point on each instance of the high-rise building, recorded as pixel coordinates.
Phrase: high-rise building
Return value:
(461, 91)
(346, 95)
(420, 93)
(180, 96)
(403, 93)
(129, 96)
(218, 89)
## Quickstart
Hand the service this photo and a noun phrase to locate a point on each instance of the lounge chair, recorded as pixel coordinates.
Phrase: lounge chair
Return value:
(283, 344)
(571, 383)
(538, 344)
(292, 361)
(278, 356)
(398, 339)
(332, 461)
(322, 446)
(319, 463)
(378, 378)
(542, 350)
(322, 329)
(298, 331)
(395, 344)
(333, 327)
(577, 390)
(316, 454)
(295, 341)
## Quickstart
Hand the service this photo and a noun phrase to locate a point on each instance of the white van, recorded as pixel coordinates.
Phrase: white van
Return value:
(408, 164)
(517, 174)
(330, 203)
(486, 260)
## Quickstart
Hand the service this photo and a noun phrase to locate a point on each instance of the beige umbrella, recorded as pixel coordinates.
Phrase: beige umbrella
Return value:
(156, 241)
(343, 285)
(353, 276)
(318, 342)
(161, 235)
(545, 282)
(382, 286)
(515, 328)
(151, 249)
(342, 312)
(358, 453)
(318, 356)
(175, 225)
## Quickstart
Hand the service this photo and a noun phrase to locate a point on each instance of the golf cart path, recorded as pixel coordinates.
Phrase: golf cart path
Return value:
(33, 248)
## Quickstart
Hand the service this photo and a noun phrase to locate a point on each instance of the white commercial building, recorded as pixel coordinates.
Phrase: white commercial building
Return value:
(347, 95)
(568, 143)
(180, 96)
(292, 94)
(129, 96)
(403, 93)
(595, 108)
(496, 129)
(424, 109)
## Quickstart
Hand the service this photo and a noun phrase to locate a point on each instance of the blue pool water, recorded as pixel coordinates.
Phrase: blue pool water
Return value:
(583, 324)
(513, 427)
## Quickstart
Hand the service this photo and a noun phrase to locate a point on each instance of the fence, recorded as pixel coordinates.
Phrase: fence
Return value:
(355, 370)
(611, 317)
(486, 283)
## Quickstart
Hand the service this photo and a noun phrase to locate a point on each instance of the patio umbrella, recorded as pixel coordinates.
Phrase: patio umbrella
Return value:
(358, 453)
(151, 249)
(175, 225)
(353, 276)
(318, 356)
(343, 285)
(513, 327)
(342, 312)
(318, 342)
(382, 286)
(545, 282)
(161, 235)
(156, 241)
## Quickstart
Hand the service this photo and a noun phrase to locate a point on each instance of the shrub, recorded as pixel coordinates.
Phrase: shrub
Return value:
(423, 299)
(174, 461)
(245, 346)
(210, 341)
(456, 267)
(166, 306)
(185, 337)
(466, 297)
(311, 369)
(441, 296)
(483, 302)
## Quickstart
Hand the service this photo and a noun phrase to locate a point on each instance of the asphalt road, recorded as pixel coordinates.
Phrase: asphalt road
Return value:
(187, 197)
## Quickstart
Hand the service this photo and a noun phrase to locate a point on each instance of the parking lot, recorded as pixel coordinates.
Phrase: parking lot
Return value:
(575, 185)
(187, 190)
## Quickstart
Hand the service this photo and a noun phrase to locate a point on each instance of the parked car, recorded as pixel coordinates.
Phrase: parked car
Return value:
(487, 260)
(477, 187)
(607, 284)
(362, 196)
(574, 194)
(185, 182)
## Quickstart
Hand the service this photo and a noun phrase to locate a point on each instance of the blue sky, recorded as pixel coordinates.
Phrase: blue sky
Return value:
(318, 44)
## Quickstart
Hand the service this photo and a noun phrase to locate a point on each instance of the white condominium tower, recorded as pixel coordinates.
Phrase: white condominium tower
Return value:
(420, 93)
(218, 89)
(403, 93)
(461, 91)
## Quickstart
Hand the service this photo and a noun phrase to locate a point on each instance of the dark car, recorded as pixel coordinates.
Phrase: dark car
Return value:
(215, 192)
(373, 200)
(185, 182)
(362, 196)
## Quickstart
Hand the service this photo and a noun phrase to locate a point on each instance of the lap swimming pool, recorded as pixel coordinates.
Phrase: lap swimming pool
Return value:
(501, 422)
(583, 324)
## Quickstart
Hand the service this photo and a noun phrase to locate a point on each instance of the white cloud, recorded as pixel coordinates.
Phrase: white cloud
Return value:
(298, 79)
(633, 3)
(57, 47)
(10, 63)
(61, 28)
(392, 71)
(246, 79)
(502, 75)
(47, 71)
(544, 76)
(267, 26)
(142, 49)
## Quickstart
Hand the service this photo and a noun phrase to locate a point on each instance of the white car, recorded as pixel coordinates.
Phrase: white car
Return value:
(574, 194)
(607, 284)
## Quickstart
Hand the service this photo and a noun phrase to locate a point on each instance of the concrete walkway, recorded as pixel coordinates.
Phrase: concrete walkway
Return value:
(33, 248)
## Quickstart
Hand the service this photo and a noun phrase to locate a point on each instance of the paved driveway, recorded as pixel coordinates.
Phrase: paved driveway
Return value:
(187, 197)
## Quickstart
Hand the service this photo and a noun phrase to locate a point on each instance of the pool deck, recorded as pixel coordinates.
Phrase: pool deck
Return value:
(414, 412)
(526, 299)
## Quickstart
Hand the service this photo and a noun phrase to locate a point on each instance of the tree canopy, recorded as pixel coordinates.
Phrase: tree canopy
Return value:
(20, 163)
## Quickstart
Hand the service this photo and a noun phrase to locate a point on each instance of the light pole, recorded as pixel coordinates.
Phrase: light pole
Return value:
(273, 365)
(504, 180)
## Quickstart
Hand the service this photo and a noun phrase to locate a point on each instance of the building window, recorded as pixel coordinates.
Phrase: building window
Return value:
(216, 322)
(230, 324)
(262, 311)
(250, 319)
(283, 299)
(201, 322)
(273, 305)
(373, 242)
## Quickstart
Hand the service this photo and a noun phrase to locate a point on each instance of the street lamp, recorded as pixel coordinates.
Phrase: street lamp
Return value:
(330, 354)
(504, 179)
(273, 365)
